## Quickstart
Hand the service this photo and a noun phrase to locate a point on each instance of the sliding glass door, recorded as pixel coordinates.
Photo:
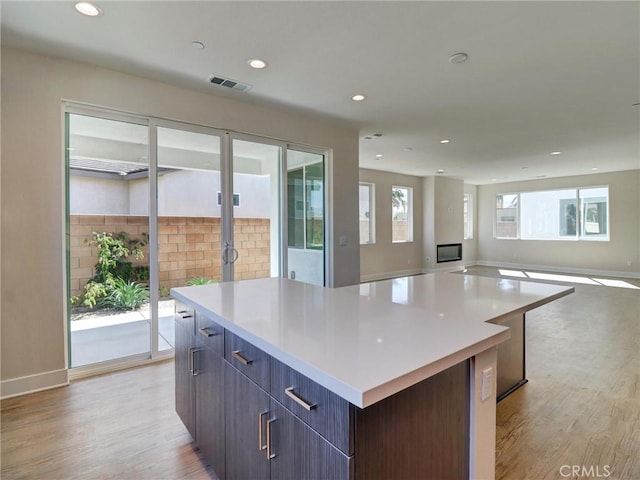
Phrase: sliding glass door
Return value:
(107, 239)
(154, 204)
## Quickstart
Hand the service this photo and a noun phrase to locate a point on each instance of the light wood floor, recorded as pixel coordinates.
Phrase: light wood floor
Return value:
(580, 407)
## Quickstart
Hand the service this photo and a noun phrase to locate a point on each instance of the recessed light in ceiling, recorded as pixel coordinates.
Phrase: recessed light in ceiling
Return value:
(635, 104)
(555, 153)
(358, 97)
(197, 45)
(594, 168)
(459, 57)
(494, 179)
(257, 63)
(88, 9)
(408, 149)
(445, 141)
(379, 155)
(440, 170)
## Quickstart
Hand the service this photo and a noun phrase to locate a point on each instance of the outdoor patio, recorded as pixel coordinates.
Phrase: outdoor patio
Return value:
(105, 335)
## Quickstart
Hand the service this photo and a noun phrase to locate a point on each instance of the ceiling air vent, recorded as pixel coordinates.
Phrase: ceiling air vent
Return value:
(227, 82)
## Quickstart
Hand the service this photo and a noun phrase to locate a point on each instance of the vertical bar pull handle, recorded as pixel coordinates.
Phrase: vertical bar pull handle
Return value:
(190, 360)
(194, 371)
(270, 455)
(260, 445)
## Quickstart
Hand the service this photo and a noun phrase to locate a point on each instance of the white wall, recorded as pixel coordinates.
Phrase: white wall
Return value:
(444, 198)
(570, 256)
(470, 246)
(91, 195)
(383, 258)
(33, 88)
(307, 265)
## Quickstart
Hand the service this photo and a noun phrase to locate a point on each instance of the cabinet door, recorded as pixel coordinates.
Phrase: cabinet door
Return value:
(185, 388)
(301, 453)
(209, 408)
(246, 413)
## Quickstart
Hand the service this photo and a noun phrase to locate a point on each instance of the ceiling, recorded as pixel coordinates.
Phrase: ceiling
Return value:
(541, 77)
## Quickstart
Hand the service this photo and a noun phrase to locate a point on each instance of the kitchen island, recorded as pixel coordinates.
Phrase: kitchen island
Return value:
(280, 379)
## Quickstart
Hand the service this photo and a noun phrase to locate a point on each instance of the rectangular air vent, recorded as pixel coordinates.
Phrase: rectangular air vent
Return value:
(227, 82)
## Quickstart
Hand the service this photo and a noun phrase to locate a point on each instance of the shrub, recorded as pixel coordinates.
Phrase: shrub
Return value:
(115, 283)
(126, 295)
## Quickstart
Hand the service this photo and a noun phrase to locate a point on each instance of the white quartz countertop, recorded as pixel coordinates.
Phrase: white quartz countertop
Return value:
(367, 342)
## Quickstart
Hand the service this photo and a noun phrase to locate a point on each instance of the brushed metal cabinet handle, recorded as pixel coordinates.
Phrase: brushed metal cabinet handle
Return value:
(182, 315)
(194, 371)
(270, 455)
(206, 332)
(260, 445)
(240, 358)
(307, 406)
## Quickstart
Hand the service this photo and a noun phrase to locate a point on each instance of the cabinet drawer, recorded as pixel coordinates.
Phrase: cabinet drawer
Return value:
(324, 411)
(210, 334)
(185, 316)
(250, 360)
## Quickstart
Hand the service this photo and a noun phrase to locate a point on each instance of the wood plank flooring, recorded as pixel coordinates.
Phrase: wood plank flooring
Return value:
(581, 407)
(117, 426)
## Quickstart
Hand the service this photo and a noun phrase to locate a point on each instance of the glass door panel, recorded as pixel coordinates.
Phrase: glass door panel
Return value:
(108, 227)
(189, 217)
(254, 244)
(305, 216)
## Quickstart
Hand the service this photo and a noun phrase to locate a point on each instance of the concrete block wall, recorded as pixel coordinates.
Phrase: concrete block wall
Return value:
(187, 247)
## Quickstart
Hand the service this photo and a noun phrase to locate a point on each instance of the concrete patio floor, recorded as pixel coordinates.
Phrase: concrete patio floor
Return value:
(100, 338)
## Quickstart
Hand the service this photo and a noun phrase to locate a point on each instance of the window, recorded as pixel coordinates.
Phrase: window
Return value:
(568, 214)
(401, 214)
(594, 205)
(507, 215)
(467, 213)
(305, 198)
(367, 224)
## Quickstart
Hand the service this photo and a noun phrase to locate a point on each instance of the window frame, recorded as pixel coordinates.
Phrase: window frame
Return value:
(409, 214)
(372, 211)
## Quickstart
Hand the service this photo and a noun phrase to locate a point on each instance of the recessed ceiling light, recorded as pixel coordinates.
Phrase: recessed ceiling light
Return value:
(594, 168)
(459, 57)
(88, 9)
(440, 170)
(635, 104)
(257, 63)
(358, 97)
(555, 153)
(445, 141)
(379, 156)
(197, 45)
(494, 179)
(408, 149)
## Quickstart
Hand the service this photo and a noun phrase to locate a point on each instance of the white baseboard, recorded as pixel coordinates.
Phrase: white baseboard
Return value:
(386, 275)
(548, 268)
(33, 383)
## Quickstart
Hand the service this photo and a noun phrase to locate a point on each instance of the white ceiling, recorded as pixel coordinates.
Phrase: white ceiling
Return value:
(541, 77)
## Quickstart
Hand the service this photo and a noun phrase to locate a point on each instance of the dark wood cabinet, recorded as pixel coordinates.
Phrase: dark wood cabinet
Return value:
(209, 408)
(299, 452)
(246, 416)
(199, 378)
(185, 381)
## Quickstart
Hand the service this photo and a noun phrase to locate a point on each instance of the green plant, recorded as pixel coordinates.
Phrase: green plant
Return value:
(126, 295)
(199, 281)
(114, 250)
(163, 291)
(115, 282)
